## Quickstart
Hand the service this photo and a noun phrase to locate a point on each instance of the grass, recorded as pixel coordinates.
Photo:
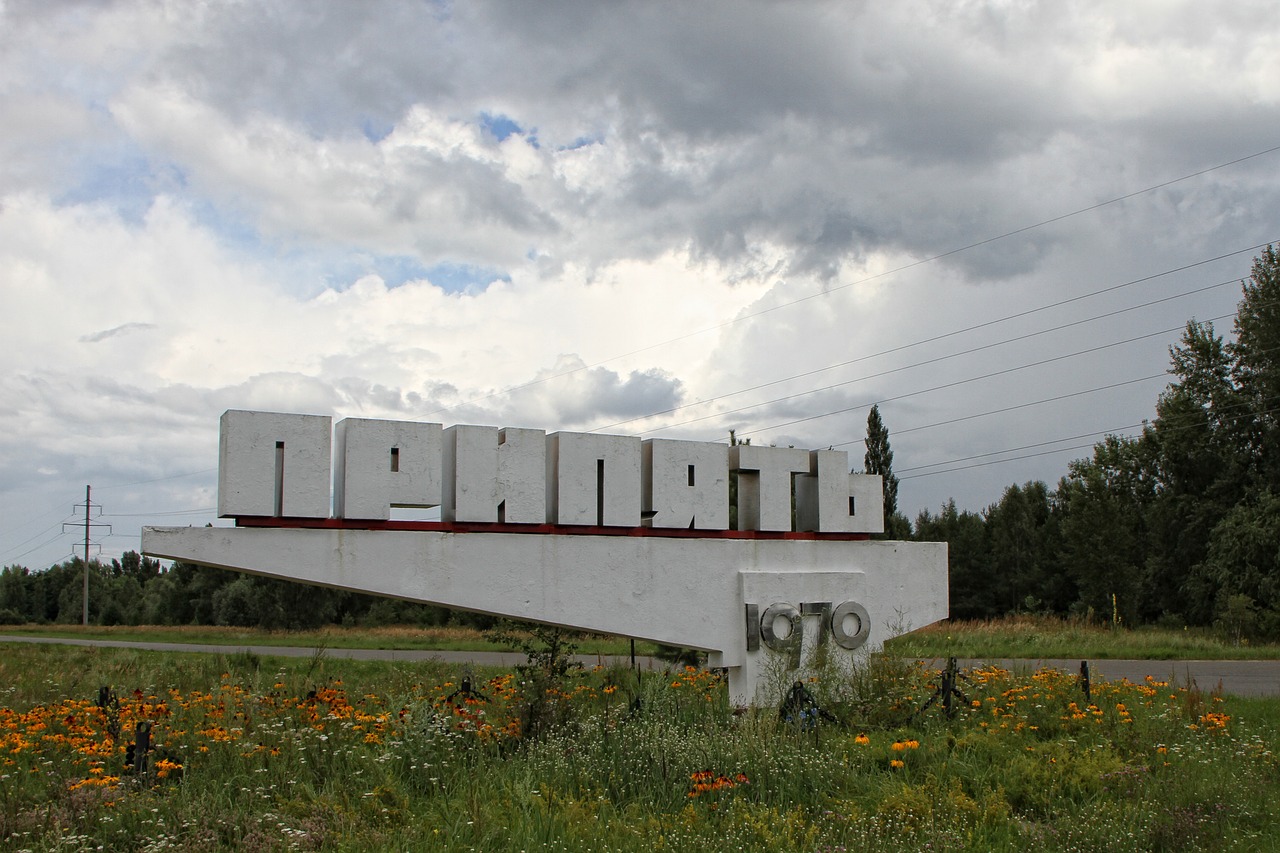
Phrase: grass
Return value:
(1031, 637)
(449, 638)
(1039, 637)
(256, 753)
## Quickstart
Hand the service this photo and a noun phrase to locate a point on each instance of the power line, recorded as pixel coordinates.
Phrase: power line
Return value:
(1242, 409)
(959, 382)
(934, 360)
(964, 381)
(1112, 431)
(1050, 400)
(941, 387)
(944, 336)
(158, 479)
(998, 461)
(37, 536)
(1014, 408)
(50, 511)
(865, 279)
(50, 541)
(198, 511)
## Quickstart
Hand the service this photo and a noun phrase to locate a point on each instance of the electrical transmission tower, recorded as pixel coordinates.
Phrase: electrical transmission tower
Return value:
(88, 525)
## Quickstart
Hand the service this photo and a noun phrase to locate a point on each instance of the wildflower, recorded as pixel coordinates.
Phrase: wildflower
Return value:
(164, 767)
(862, 740)
(896, 764)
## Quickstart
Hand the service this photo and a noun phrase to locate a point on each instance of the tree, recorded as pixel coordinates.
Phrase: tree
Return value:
(972, 584)
(879, 460)
(1102, 535)
(1021, 541)
(1244, 557)
(1194, 453)
(1256, 362)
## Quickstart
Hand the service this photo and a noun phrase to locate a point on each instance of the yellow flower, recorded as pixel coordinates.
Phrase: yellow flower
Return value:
(895, 763)
(862, 740)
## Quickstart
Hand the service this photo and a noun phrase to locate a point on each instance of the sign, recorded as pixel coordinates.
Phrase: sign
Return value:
(603, 533)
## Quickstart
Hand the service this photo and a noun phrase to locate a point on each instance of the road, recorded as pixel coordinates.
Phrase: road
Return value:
(1236, 677)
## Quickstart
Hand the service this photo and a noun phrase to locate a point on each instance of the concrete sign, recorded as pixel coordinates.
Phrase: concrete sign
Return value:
(602, 533)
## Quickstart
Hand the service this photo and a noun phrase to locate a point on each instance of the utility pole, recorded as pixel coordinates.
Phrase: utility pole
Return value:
(88, 525)
(84, 617)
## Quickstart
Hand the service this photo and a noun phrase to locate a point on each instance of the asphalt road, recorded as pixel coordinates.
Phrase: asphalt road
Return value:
(1236, 677)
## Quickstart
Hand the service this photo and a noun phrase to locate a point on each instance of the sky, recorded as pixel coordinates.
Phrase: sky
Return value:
(991, 219)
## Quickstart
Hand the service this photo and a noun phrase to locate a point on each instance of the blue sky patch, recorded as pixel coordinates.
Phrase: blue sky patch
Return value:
(121, 179)
(234, 231)
(376, 130)
(464, 278)
(583, 142)
(395, 270)
(499, 126)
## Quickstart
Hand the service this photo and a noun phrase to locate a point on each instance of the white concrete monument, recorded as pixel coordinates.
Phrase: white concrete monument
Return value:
(602, 533)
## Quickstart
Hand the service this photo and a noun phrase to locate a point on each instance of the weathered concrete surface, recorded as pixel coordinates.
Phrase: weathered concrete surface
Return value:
(687, 592)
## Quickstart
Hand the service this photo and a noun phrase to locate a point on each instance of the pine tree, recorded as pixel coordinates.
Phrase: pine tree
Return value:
(1256, 367)
(879, 460)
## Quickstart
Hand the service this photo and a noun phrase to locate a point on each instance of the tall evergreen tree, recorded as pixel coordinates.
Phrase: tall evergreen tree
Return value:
(1256, 362)
(879, 460)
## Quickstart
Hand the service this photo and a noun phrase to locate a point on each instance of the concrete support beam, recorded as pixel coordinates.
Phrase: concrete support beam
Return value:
(691, 592)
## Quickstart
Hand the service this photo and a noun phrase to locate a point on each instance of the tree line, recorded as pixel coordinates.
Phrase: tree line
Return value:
(1178, 526)
(136, 590)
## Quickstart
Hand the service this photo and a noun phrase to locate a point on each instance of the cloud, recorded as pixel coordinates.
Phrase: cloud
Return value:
(123, 329)
(571, 216)
(573, 394)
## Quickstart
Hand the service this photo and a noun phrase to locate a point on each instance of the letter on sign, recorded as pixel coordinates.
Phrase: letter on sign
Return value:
(593, 479)
(686, 484)
(764, 484)
(382, 464)
(494, 475)
(273, 465)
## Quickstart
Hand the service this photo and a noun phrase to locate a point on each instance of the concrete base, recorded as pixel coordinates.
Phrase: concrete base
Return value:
(690, 592)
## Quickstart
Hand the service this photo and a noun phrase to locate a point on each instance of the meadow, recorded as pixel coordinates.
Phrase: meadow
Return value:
(437, 638)
(260, 753)
(1024, 636)
(1030, 636)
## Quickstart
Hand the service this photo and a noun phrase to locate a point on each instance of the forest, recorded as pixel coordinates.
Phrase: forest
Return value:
(1178, 526)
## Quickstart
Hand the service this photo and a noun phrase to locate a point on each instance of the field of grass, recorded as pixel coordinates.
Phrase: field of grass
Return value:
(1012, 637)
(259, 753)
(1050, 637)
(447, 638)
